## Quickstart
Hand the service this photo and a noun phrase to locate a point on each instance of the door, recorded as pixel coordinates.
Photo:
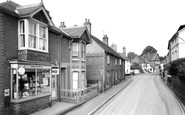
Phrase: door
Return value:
(54, 87)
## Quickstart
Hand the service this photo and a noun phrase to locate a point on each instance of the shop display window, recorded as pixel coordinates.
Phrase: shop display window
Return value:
(34, 82)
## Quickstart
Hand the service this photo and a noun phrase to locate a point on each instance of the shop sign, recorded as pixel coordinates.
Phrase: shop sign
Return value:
(55, 71)
(21, 71)
(36, 66)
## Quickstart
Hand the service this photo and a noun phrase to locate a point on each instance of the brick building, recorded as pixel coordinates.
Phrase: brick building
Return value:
(74, 84)
(104, 64)
(30, 49)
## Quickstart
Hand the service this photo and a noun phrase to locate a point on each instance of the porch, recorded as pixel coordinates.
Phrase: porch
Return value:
(79, 95)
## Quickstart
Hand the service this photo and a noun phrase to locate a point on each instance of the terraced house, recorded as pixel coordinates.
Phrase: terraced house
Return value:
(104, 64)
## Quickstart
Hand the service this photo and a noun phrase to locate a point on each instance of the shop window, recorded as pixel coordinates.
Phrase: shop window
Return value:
(34, 82)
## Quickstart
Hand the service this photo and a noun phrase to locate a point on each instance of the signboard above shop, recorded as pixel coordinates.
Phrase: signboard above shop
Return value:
(55, 71)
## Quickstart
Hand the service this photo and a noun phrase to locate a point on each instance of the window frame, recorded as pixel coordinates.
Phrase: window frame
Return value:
(108, 59)
(75, 80)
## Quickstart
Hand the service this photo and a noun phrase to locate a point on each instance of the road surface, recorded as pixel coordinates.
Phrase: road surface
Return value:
(146, 95)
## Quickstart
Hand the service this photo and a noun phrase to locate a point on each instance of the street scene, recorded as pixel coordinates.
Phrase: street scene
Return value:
(92, 57)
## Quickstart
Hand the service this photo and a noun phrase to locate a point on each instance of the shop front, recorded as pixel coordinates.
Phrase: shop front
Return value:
(30, 86)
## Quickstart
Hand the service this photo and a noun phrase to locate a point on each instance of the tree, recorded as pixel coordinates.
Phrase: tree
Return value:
(131, 55)
(149, 49)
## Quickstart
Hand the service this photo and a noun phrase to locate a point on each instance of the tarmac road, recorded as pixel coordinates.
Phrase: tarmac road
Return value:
(146, 95)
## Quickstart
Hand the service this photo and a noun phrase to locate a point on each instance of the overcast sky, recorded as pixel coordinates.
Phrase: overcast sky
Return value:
(134, 24)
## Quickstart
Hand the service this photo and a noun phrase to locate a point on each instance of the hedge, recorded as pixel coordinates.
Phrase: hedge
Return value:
(177, 68)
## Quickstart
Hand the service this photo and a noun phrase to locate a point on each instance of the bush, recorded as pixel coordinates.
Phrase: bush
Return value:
(177, 67)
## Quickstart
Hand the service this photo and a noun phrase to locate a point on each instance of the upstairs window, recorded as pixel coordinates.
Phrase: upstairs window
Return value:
(33, 35)
(108, 59)
(22, 34)
(32, 40)
(83, 51)
(116, 62)
(120, 62)
(75, 52)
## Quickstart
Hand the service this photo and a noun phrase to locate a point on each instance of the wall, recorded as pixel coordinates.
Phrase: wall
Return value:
(9, 49)
(54, 48)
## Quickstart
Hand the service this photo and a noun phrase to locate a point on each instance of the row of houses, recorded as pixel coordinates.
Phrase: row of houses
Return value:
(41, 63)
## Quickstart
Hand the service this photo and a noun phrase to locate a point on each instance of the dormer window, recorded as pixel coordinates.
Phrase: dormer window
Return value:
(33, 35)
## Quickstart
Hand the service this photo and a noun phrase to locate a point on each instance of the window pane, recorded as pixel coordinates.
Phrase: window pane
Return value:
(22, 40)
(75, 50)
(32, 41)
(42, 32)
(42, 44)
(43, 81)
(32, 28)
(75, 80)
(21, 26)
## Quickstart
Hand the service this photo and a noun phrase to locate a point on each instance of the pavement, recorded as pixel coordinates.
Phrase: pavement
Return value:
(91, 105)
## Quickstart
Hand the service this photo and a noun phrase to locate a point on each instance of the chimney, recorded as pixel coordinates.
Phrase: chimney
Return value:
(88, 25)
(114, 47)
(62, 25)
(124, 51)
(105, 39)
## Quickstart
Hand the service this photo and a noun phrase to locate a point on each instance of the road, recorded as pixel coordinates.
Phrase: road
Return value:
(146, 95)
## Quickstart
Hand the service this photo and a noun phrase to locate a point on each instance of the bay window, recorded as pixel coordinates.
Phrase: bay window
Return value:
(33, 35)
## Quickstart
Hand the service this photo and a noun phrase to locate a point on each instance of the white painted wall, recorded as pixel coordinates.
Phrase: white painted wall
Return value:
(127, 67)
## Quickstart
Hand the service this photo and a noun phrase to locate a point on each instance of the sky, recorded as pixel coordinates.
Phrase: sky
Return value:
(134, 24)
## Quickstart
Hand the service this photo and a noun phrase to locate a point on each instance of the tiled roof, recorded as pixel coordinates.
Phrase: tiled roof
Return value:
(125, 57)
(138, 60)
(74, 32)
(106, 47)
(9, 6)
(149, 56)
(26, 10)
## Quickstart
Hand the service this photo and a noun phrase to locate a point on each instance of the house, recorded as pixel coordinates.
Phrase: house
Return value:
(149, 62)
(127, 62)
(75, 88)
(30, 58)
(153, 61)
(104, 65)
(176, 44)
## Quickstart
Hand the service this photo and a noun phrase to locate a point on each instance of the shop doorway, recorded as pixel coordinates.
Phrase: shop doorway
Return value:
(54, 87)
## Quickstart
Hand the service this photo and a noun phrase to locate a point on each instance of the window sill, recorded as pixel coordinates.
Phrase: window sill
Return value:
(29, 98)
(75, 59)
(33, 50)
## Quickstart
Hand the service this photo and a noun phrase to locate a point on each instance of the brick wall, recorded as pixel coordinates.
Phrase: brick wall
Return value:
(54, 47)
(9, 48)
(65, 50)
(1, 60)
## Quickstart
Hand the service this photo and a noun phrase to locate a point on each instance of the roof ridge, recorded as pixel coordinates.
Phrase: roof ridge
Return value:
(28, 6)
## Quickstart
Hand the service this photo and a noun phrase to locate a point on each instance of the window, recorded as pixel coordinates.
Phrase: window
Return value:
(108, 59)
(83, 80)
(42, 38)
(22, 34)
(34, 82)
(33, 35)
(75, 80)
(116, 62)
(120, 62)
(83, 51)
(75, 51)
